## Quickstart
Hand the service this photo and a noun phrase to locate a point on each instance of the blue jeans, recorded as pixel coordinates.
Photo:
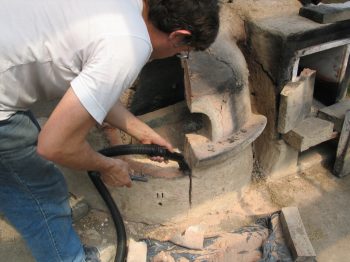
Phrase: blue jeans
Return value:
(34, 195)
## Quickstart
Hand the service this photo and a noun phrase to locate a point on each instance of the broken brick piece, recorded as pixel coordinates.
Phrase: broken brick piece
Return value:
(296, 101)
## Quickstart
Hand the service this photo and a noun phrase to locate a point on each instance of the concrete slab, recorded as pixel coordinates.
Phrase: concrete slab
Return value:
(342, 162)
(335, 113)
(296, 101)
(296, 236)
(326, 13)
(310, 132)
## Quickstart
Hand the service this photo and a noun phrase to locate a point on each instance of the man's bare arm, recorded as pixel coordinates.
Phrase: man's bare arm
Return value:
(63, 141)
(121, 118)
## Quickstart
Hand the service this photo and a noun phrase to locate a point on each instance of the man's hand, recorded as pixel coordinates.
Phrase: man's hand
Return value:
(117, 174)
(153, 138)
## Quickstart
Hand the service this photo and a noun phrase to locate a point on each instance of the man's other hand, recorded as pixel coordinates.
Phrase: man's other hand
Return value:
(153, 138)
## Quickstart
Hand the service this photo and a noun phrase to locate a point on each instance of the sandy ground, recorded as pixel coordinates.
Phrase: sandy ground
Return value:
(321, 198)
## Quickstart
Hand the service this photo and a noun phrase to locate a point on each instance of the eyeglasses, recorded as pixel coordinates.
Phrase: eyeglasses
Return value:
(184, 55)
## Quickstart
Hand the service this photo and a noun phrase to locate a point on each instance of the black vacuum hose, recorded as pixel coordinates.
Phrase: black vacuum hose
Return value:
(150, 150)
(116, 216)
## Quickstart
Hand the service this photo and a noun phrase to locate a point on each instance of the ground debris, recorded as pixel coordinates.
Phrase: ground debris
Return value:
(263, 242)
(258, 173)
(95, 228)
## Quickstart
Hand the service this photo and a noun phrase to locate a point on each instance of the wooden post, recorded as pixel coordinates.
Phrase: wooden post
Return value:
(342, 162)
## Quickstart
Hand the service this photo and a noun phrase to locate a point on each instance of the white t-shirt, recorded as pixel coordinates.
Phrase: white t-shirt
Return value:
(96, 46)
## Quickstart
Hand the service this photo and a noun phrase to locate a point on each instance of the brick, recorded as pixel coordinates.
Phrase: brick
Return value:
(137, 251)
(326, 13)
(296, 101)
(310, 132)
(296, 236)
(107, 253)
(342, 162)
(335, 113)
(163, 257)
(193, 238)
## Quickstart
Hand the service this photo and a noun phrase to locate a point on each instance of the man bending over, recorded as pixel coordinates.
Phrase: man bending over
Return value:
(87, 52)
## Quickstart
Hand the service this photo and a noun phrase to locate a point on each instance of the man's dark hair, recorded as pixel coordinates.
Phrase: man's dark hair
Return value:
(200, 17)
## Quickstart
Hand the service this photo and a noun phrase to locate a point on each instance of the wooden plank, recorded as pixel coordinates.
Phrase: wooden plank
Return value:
(342, 162)
(296, 236)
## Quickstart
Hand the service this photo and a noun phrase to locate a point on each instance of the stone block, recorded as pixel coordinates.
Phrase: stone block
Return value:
(327, 13)
(296, 236)
(310, 132)
(316, 107)
(296, 101)
(342, 162)
(335, 113)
